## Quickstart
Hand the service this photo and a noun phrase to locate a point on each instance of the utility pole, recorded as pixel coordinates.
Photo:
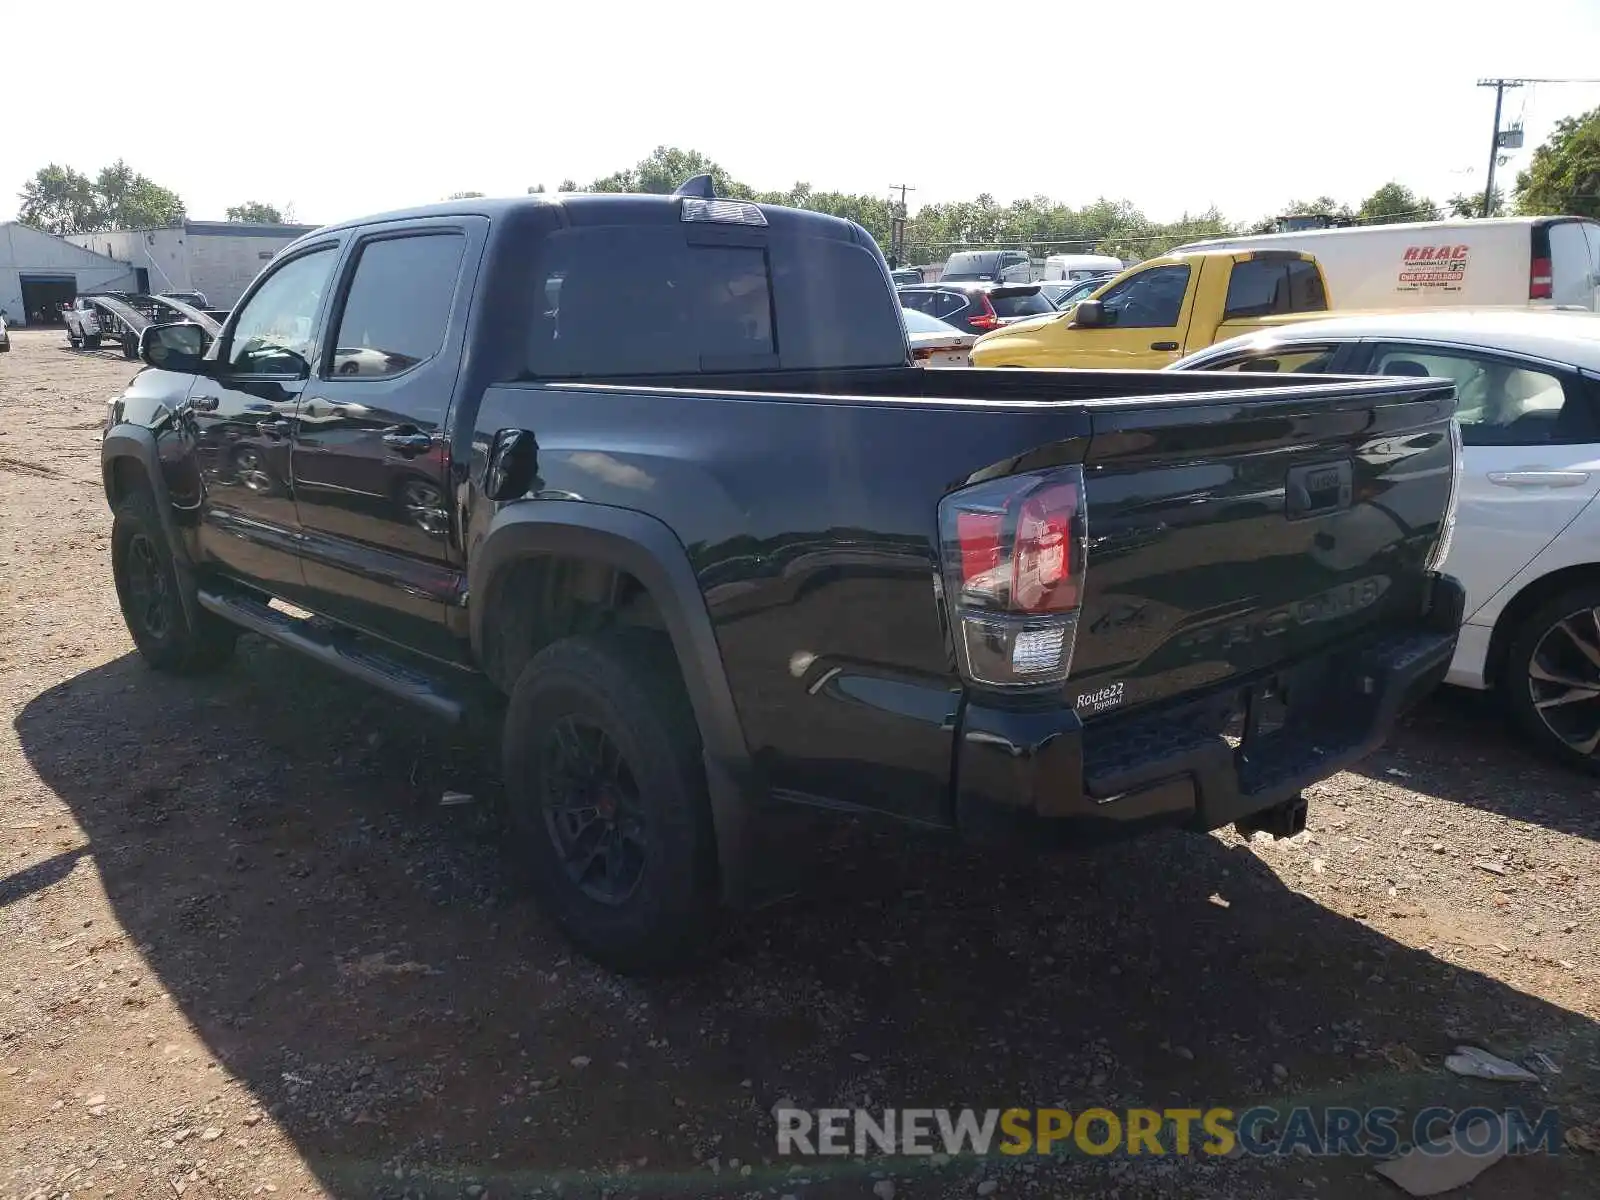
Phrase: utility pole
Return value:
(897, 224)
(1499, 86)
(1495, 143)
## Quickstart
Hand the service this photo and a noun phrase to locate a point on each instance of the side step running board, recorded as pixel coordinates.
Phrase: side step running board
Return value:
(338, 649)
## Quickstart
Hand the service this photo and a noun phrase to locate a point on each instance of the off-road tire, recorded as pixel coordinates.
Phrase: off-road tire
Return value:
(91, 341)
(627, 686)
(1518, 686)
(142, 565)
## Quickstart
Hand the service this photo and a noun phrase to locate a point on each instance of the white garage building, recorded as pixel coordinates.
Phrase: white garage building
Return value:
(216, 258)
(39, 272)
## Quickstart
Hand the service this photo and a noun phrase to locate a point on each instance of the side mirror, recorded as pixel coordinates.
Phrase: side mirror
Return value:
(1088, 314)
(179, 346)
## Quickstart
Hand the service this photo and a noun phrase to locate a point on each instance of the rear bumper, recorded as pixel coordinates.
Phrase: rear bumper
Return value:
(1173, 766)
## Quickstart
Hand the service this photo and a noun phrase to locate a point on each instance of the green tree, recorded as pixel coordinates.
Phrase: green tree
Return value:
(129, 200)
(59, 200)
(1394, 203)
(664, 169)
(256, 213)
(1470, 204)
(1563, 177)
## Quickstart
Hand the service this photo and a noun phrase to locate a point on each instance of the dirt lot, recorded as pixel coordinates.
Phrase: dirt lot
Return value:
(247, 951)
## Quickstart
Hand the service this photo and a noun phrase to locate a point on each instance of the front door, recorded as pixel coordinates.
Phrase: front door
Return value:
(1146, 322)
(370, 461)
(244, 412)
(1530, 432)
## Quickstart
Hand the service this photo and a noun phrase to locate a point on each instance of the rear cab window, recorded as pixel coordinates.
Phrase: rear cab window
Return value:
(666, 299)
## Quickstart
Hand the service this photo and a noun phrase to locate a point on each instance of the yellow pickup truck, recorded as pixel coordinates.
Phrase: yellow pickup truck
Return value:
(1164, 308)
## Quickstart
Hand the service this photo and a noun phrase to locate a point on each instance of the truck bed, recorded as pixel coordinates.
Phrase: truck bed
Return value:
(808, 505)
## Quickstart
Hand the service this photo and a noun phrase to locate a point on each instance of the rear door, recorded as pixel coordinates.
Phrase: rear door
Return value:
(1572, 274)
(1532, 446)
(1147, 320)
(370, 454)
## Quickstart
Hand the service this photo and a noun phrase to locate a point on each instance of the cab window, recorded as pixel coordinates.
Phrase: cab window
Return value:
(1260, 287)
(1152, 299)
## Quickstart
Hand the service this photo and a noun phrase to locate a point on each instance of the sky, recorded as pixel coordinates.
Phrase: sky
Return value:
(344, 107)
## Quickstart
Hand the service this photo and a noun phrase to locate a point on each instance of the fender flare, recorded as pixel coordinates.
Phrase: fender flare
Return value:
(648, 550)
(135, 442)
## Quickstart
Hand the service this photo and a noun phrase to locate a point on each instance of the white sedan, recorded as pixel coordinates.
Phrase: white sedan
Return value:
(934, 343)
(1527, 536)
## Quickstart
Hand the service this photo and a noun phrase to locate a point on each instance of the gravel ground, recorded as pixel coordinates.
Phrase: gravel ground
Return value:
(247, 951)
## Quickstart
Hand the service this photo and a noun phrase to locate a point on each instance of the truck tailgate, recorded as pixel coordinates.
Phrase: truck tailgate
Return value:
(1229, 536)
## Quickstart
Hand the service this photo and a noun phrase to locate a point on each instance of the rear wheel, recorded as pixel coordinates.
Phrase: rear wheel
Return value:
(606, 792)
(91, 341)
(130, 346)
(1552, 676)
(148, 584)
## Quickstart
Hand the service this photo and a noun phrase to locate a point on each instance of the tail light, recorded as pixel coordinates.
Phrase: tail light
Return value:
(987, 319)
(1014, 552)
(1447, 528)
(1541, 283)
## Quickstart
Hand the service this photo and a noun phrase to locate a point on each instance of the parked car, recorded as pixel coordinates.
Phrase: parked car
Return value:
(1527, 543)
(721, 559)
(5, 335)
(1064, 293)
(1527, 262)
(1072, 267)
(977, 307)
(906, 275)
(987, 266)
(934, 343)
(1154, 313)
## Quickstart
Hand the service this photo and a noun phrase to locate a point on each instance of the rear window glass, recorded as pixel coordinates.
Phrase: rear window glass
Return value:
(1020, 304)
(643, 300)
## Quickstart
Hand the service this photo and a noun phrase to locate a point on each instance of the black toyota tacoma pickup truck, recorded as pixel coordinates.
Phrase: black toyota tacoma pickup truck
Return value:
(658, 473)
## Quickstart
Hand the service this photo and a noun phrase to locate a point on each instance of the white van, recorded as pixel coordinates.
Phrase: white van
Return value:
(1526, 262)
(1079, 266)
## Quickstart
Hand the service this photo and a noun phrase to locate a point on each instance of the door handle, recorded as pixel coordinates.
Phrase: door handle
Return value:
(276, 429)
(1529, 479)
(407, 440)
(1163, 345)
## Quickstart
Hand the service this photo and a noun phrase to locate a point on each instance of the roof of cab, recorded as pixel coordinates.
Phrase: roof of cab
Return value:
(588, 208)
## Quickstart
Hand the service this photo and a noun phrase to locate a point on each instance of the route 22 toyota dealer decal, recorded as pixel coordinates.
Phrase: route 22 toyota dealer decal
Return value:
(1424, 268)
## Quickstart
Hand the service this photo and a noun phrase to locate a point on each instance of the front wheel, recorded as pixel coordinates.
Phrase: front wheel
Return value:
(148, 585)
(1552, 676)
(606, 790)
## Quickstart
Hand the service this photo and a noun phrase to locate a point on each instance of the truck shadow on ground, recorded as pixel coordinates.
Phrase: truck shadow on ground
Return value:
(1461, 746)
(365, 962)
